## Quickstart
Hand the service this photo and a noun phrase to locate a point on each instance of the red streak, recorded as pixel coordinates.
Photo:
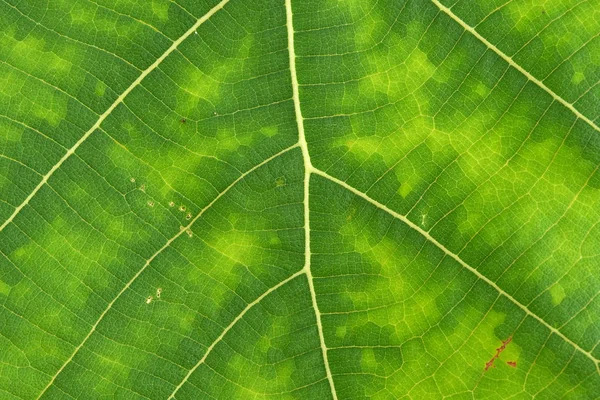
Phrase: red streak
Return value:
(499, 350)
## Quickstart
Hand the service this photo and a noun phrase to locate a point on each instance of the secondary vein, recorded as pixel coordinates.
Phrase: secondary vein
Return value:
(460, 261)
(308, 169)
(110, 109)
(513, 64)
(147, 263)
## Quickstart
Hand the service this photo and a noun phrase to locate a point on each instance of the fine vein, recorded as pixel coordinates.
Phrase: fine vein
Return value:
(110, 109)
(458, 259)
(228, 328)
(308, 169)
(147, 263)
(512, 63)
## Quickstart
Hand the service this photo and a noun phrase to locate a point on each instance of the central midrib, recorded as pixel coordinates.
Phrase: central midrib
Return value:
(308, 170)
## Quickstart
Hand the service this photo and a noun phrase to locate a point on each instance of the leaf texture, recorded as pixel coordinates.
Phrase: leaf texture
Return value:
(299, 199)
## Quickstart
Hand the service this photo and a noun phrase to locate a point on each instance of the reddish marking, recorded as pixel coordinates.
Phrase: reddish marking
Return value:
(499, 350)
(512, 363)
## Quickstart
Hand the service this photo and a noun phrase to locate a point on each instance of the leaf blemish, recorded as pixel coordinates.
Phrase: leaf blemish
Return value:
(512, 364)
(189, 216)
(149, 299)
(143, 187)
(189, 232)
(182, 208)
(132, 180)
(150, 203)
(499, 350)
(171, 204)
(158, 292)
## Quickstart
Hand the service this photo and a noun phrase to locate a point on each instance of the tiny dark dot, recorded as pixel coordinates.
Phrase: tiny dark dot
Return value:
(183, 121)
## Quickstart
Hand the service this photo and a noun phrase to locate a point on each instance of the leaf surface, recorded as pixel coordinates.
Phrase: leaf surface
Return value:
(299, 199)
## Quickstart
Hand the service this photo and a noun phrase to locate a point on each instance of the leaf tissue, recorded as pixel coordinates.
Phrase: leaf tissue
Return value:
(309, 199)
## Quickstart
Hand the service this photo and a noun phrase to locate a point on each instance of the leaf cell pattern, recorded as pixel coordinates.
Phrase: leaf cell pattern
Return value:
(299, 199)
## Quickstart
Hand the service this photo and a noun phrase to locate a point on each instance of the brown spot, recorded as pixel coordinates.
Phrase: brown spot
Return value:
(499, 350)
(512, 363)
(183, 120)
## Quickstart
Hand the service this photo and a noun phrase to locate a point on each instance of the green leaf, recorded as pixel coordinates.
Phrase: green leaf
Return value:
(299, 199)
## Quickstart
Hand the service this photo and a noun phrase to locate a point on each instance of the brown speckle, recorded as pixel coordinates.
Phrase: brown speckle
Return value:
(499, 350)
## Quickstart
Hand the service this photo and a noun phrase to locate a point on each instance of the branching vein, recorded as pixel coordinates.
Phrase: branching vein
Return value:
(110, 109)
(513, 64)
(147, 263)
(460, 261)
(308, 169)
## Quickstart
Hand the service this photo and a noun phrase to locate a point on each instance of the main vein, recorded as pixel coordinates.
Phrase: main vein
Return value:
(308, 169)
(512, 63)
(110, 109)
(459, 260)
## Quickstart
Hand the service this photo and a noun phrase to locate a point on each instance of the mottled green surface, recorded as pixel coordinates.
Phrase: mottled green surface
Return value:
(158, 186)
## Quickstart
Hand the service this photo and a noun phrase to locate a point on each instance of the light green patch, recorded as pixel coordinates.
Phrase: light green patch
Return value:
(361, 147)
(558, 294)
(4, 288)
(206, 84)
(161, 9)
(368, 362)
(404, 189)
(31, 50)
(274, 239)
(401, 67)
(100, 88)
(280, 181)
(269, 131)
(53, 115)
(228, 141)
(196, 83)
(9, 133)
(186, 321)
(80, 14)
(340, 331)
(578, 77)
(241, 247)
(487, 337)
(481, 90)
